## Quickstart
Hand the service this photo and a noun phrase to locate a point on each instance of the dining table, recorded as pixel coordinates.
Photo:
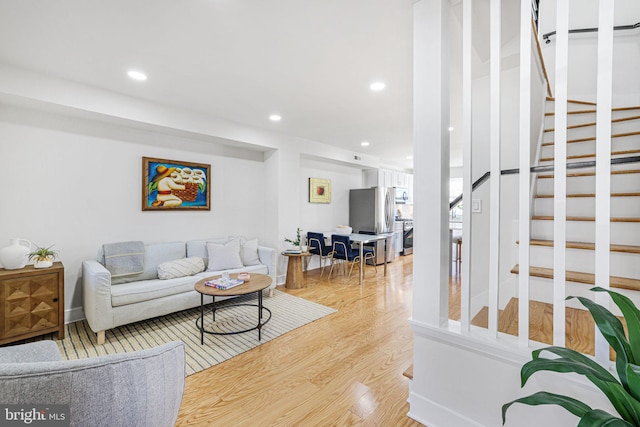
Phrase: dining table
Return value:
(361, 240)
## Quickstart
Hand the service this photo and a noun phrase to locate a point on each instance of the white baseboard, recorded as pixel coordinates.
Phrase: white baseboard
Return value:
(72, 315)
(280, 280)
(432, 414)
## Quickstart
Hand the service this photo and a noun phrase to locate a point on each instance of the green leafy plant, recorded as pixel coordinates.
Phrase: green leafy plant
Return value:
(623, 392)
(297, 241)
(43, 254)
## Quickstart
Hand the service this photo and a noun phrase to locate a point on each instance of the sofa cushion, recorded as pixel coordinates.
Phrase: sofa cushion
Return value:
(199, 247)
(154, 255)
(180, 268)
(224, 256)
(145, 290)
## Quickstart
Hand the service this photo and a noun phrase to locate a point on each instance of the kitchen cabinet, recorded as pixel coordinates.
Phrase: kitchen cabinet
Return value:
(388, 178)
(378, 178)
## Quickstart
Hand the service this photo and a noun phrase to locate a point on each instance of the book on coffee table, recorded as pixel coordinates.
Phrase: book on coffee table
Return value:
(224, 284)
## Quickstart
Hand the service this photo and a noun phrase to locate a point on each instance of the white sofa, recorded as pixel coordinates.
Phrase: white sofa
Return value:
(108, 304)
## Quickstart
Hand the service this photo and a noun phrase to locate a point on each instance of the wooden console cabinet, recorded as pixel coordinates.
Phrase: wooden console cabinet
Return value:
(31, 302)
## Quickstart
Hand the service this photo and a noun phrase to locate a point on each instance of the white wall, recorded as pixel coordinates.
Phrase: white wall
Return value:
(77, 184)
(582, 65)
(319, 217)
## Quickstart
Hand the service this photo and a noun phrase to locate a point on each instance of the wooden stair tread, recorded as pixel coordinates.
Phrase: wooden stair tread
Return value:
(577, 174)
(593, 138)
(584, 125)
(584, 218)
(579, 326)
(409, 372)
(551, 113)
(580, 277)
(572, 101)
(592, 155)
(588, 246)
(574, 195)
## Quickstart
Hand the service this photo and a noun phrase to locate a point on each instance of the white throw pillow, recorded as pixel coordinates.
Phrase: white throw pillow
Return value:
(224, 256)
(180, 268)
(249, 252)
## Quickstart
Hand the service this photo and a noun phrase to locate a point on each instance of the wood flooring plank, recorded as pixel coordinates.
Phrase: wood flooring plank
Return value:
(343, 369)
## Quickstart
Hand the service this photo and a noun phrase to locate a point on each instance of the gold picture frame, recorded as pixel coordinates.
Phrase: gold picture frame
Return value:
(170, 185)
(319, 190)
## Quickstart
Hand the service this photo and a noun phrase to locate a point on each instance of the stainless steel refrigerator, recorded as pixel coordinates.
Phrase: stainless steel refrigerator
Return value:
(372, 211)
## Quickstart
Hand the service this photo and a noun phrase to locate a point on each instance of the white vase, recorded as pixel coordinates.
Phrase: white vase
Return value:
(42, 263)
(304, 249)
(14, 256)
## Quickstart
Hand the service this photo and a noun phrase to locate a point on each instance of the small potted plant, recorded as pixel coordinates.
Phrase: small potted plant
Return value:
(43, 257)
(297, 241)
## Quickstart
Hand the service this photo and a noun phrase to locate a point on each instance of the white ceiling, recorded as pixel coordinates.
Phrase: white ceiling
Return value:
(311, 61)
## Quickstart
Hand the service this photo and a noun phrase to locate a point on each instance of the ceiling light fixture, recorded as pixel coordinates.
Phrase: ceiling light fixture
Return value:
(409, 157)
(275, 118)
(365, 143)
(450, 128)
(377, 86)
(137, 75)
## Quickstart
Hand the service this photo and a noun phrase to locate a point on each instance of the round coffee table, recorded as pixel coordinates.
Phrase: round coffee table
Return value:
(257, 284)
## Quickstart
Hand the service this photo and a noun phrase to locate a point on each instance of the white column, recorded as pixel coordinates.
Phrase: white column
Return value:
(494, 215)
(560, 174)
(467, 50)
(603, 163)
(431, 160)
(524, 208)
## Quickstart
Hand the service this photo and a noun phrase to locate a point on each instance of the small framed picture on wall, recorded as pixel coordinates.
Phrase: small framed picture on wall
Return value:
(319, 190)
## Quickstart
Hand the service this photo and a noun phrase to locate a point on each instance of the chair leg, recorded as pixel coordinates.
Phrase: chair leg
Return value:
(331, 271)
(351, 269)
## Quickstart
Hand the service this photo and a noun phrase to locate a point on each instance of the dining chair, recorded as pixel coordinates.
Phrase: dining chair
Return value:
(317, 246)
(343, 252)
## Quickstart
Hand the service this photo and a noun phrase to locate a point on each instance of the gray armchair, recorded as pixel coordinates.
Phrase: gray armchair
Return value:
(141, 388)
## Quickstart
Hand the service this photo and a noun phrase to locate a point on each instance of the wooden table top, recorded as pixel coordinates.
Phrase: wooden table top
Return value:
(256, 283)
(294, 254)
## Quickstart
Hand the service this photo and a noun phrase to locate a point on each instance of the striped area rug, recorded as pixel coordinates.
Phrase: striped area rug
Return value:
(288, 313)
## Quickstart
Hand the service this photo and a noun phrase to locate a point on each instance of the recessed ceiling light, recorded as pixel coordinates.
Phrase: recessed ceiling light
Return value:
(409, 157)
(137, 75)
(365, 143)
(450, 128)
(275, 118)
(377, 86)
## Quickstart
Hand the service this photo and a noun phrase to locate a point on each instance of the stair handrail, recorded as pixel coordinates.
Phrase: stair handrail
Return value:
(547, 36)
(547, 168)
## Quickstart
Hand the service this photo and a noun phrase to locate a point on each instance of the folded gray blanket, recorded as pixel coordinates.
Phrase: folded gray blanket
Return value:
(124, 258)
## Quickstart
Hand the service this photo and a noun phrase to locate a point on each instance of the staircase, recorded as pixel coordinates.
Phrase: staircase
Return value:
(580, 228)
(580, 205)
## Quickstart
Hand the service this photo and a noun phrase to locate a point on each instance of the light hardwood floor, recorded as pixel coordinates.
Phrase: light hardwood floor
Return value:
(344, 369)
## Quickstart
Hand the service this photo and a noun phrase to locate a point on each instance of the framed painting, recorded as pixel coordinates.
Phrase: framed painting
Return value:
(319, 190)
(175, 185)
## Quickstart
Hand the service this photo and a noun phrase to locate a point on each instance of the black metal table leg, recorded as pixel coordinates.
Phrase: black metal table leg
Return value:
(213, 308)
(259, 315)
(201, 319)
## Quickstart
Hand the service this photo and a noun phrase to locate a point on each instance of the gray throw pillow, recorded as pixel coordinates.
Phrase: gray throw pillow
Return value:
(224, 256)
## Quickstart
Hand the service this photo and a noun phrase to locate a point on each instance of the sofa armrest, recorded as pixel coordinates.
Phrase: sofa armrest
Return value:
(268, 257)
(96, 295)
(140, 388)
(39, 351)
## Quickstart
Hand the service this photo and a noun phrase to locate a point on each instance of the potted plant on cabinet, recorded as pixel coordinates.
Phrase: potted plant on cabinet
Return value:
(43, 257)
(623, 392)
